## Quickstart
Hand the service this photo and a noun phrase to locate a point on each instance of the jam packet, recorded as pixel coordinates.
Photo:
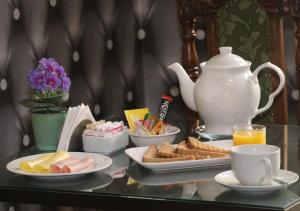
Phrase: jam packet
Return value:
(135, 119)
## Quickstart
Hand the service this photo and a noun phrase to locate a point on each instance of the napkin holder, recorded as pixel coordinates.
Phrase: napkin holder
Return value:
(70, 137)
(76, 137)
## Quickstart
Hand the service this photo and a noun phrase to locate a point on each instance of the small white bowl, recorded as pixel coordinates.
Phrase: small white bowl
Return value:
(105, 145)
(146, 140)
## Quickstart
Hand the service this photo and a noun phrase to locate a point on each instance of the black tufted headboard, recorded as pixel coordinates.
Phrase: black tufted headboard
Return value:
(115, 52)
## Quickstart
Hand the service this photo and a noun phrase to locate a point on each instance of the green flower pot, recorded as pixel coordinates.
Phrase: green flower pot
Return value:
(47, 129)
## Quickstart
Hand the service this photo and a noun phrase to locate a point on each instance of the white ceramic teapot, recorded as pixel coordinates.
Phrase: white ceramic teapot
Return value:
(226, 93)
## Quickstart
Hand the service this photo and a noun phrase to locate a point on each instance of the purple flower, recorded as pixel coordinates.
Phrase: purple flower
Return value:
(36, 79)
(65, 85)
(48, 62)
(49, 81)
(48, 65)
(60, 72)
(49, 76)
(52, 82)
(50, 85)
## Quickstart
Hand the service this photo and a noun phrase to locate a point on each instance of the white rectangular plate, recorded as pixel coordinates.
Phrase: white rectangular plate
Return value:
(137, 153)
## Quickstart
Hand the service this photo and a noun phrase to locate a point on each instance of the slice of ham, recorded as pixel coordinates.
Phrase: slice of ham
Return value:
(58, 166)
(85, 163)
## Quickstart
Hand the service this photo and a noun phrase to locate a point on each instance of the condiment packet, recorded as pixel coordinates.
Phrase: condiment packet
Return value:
(104, 129)
(135, 115)
(91, 132)
(140, 129)
(141, 122)
(164, 106)
(150, 121)
(92, 126)
(110, 128)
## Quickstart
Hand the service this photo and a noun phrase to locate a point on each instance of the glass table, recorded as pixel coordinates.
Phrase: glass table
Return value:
(127, 186)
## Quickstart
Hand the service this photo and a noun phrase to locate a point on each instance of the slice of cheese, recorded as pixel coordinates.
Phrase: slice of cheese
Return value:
(28, 165)
(44, 167)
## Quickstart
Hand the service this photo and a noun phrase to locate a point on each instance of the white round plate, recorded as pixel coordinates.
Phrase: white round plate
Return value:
(101, 162)
(228, 180)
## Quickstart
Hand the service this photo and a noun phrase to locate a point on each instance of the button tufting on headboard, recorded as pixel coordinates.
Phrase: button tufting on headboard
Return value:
(115, 52)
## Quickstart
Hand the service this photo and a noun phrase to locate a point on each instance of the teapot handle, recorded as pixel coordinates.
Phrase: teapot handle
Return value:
(276, 92)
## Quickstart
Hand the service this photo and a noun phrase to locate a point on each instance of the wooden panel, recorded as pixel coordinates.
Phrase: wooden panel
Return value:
(187, 19)
(275, 11)
(207, 9)
(295, 7)
(190, 60)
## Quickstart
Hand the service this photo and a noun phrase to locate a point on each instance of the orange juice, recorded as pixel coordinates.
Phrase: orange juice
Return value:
(249, 134)
(249, 137)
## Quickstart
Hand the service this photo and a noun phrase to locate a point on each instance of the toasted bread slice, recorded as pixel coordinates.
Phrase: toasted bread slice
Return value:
(185, 149)
(152, 152)
(152, 156)
(167, 150)
(162, 160)
(196, 144)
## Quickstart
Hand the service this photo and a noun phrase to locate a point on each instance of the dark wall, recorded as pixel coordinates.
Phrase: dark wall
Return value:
(115, 52)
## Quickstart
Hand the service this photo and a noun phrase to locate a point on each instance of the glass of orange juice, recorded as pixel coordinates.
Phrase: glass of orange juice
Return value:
(249, 134)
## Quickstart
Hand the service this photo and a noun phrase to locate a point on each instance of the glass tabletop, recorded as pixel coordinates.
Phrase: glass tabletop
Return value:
(126, 181)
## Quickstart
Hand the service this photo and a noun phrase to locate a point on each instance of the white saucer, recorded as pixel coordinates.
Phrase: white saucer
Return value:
(228, 180)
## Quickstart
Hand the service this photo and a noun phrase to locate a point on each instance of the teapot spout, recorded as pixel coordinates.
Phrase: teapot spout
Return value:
(186, 85)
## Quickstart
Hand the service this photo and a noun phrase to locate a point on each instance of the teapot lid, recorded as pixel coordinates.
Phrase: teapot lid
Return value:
(226, 59)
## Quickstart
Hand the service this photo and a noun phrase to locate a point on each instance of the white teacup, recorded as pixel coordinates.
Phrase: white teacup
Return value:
(255, 164)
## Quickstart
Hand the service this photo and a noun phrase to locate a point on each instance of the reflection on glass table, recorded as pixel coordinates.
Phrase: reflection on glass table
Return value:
(86, 183)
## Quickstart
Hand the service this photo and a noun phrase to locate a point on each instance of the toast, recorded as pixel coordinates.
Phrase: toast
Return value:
(192, 149)
(152, 152)
(152, 156)
(185, 149)
(196, 144)
(167, 150)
